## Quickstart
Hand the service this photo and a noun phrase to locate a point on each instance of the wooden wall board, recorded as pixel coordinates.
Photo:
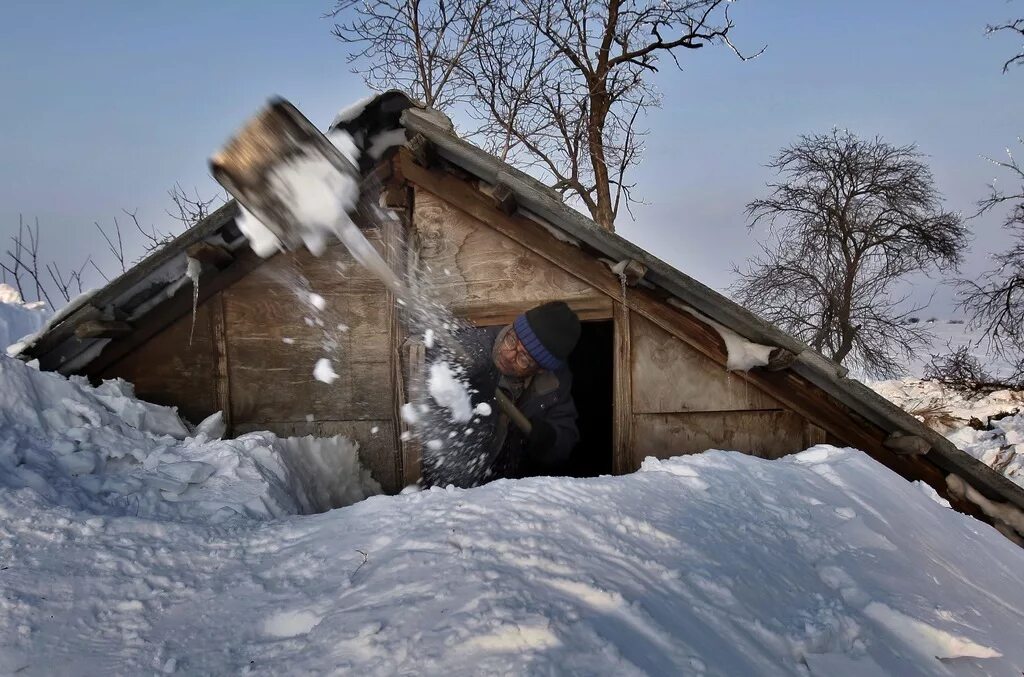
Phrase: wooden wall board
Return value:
(622, 389)
(476, 269)
(168, 370)
(669, 375)
(376, 450)
(271, 379)
(767, 434)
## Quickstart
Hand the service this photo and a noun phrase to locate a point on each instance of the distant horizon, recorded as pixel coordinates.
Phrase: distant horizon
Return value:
(118, 103)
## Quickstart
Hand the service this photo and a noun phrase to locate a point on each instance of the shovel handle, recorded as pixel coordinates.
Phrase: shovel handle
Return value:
(512, 411)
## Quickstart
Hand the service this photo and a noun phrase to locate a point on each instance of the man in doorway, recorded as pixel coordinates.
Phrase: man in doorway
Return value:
(527, 361)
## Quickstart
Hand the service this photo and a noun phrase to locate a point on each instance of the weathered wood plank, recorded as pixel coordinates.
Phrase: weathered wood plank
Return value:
(413, 368)
(472, 267)
(103, 329)
(177, 308)
(592, 308)
(167, 370)
(767, 434)
(222, 376)
(622, 388)
(669, 375)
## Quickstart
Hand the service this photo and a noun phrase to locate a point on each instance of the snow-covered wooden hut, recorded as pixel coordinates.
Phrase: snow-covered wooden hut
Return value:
(665, 365)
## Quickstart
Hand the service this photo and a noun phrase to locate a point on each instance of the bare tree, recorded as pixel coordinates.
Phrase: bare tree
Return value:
(1014, 27)
(191, 209)
(23, 262)
(850, 218)
(963, 372)
(557, 86)
(419, 47)
(25, 269)
(995, 301)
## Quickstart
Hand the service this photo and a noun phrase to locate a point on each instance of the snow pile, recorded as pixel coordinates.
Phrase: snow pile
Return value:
(450, 392)
(17, 318)
(823, 563)
(102, 451)
(988, 427)
(1001, 447)
(741, 354)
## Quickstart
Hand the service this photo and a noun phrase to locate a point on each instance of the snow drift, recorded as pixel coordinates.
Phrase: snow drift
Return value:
(824, 563)
(102, 451)
(17, 318)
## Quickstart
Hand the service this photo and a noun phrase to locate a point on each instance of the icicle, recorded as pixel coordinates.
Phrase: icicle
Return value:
(193, 270)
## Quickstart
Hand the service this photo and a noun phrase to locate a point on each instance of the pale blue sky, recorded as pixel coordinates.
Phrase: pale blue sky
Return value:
(107, 104)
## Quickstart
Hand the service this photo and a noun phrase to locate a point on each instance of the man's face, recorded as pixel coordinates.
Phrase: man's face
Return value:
(510, 356)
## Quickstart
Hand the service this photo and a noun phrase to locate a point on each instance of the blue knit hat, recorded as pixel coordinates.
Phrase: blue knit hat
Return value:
(549, 333)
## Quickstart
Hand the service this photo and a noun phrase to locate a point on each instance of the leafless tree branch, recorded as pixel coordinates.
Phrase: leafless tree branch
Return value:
(849, 218)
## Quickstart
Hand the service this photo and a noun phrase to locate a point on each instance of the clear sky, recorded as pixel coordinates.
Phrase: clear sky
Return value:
(105, 105)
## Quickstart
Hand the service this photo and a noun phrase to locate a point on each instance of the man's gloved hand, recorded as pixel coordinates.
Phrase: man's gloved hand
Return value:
(542, 439)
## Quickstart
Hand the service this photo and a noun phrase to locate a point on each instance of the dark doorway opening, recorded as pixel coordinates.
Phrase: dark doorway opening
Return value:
(592, 391)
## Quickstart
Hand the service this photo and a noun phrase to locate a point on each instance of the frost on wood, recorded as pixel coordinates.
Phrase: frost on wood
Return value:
(743, 355)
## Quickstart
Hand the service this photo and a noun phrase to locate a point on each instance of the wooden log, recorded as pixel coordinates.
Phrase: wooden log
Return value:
(634, 272)
(102, 329)
(779, 359)
(907, 445)
(211, 254)
(504, 199)
(422, 150)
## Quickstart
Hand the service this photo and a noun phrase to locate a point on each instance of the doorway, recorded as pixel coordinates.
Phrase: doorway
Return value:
(592, 390)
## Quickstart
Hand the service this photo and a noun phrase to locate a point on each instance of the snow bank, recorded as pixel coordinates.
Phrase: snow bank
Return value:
(988, 427)
(102, 451)
(824, 563)
(17, 318)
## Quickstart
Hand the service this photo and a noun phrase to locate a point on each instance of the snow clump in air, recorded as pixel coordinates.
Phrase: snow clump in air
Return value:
(450, 392)
(324, 371)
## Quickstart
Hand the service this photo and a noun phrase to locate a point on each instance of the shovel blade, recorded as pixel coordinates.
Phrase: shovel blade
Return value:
(271, 138)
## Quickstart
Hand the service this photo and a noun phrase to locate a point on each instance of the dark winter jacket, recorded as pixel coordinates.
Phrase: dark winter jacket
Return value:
(547, 397)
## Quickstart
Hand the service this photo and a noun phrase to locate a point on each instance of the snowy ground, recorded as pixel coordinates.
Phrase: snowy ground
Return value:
(989, 427)
(133, 543)
(160, 549)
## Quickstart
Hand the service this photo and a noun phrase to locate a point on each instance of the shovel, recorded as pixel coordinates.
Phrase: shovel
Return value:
(512, 411)
(275, 136)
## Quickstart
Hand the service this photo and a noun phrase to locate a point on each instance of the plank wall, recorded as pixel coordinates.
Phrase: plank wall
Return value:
(682, 403)
(256, 343)
(486, 277)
